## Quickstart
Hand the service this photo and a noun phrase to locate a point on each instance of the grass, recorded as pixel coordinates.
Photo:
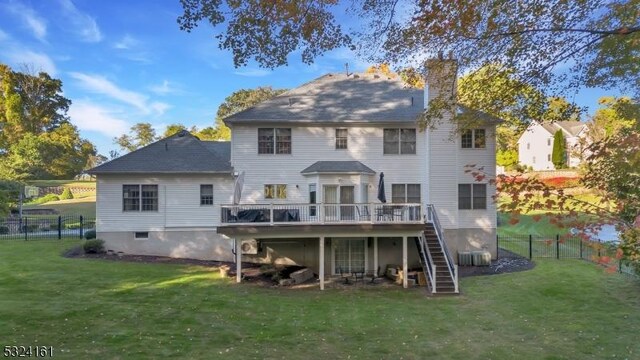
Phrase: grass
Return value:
(99, 309)
(85, 206)
(65, 183)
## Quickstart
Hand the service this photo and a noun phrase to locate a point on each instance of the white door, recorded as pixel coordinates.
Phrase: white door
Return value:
(349, 254)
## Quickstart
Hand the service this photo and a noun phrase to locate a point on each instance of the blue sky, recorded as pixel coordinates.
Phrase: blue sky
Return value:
(127, 62)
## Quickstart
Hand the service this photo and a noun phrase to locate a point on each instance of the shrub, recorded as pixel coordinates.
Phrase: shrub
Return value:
(4, 229)
(90, 234)
(45, 199)
(30, 228)
(73, 225)
(66, 194)
(93, 246)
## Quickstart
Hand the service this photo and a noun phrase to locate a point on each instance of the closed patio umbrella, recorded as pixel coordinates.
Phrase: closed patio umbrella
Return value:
(381, 196)
(237, 188)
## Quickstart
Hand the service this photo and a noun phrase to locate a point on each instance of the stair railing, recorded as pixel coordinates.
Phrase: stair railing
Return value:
(429, 266)
(432, 217)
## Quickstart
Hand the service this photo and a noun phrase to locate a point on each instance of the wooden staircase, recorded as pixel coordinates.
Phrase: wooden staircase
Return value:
(437, 264)
(445, 282)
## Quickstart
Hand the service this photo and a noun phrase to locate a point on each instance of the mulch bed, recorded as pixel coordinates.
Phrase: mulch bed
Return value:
(507, 262)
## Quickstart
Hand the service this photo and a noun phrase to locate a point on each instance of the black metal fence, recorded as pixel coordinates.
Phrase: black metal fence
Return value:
(45, 227)
(566, 247)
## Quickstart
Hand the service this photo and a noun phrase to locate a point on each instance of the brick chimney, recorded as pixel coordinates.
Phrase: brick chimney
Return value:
(441, 79)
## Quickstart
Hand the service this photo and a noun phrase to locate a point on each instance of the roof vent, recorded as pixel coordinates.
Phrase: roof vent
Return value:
(376, 76)
(182, 133)
(291, 100)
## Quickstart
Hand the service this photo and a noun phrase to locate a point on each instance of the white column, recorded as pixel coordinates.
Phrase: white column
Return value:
(375, 254)
(321, 263)
(404, 262)
(238, 260)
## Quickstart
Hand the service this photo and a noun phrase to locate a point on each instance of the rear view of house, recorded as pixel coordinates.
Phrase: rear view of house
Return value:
(333, 175)
(535, 145)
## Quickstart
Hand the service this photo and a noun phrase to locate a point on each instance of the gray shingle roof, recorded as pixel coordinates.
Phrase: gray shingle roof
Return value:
(572, 127)
(333, 167)
(179, 153)
(338, 98)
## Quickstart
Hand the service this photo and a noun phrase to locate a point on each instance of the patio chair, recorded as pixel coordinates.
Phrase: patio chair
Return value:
(345, 275)
(374, 275)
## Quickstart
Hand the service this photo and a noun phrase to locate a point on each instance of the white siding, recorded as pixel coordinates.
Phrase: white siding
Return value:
(481, 158)
(178, 202)
(311, 144)
(535, 147)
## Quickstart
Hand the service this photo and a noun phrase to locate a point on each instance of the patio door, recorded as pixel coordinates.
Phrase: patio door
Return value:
(349, 254)
(336, 199)
(347, 197)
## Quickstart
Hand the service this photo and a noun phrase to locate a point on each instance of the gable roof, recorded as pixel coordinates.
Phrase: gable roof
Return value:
(179, 153)
(573, 128)
(339, 98)
(338, 167)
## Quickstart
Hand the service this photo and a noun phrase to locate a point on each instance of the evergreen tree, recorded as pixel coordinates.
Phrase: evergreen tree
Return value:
(559, 149)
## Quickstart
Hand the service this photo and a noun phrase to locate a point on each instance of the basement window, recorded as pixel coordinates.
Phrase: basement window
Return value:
(141, 235)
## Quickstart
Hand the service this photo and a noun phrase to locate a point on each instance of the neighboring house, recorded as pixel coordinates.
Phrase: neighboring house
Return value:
(535, 146)
(311, 160)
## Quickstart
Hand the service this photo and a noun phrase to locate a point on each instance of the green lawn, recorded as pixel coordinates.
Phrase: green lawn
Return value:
(99, 309)
(85, 206)
(66, 183)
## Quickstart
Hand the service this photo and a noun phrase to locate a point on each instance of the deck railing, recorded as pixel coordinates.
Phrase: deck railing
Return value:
(290, 213)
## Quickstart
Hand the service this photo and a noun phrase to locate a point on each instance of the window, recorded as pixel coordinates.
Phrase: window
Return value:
(141, 235)
(405, 193)
(472, 196)
(474, 139)
(528, 146)
(274, 141)
(534, 160)
(341, 138)
(149, 197)
(549, 142)
(130, 197)
(548, 157)
(275, 191)
(206, 194)
(399, 141)
(139, 197)
(312, 199)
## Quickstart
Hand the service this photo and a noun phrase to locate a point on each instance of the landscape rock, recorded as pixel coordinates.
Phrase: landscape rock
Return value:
(301, 275)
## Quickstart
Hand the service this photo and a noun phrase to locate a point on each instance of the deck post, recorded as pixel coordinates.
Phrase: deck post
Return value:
(238, 244)
(375, 255)
(404, 263)
(321, 263)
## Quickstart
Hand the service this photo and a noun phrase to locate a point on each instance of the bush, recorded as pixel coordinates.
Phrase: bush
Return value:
(73, 225)
(90, 234)
(4, 229)
(66, 194)
(45, 199)
(93, 246)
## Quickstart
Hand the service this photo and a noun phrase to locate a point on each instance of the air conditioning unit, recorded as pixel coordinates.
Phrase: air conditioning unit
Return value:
(249, 247)
(481, 258)
(465, 258)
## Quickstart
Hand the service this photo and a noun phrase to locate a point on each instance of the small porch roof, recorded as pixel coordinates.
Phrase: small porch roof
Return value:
(338, 167)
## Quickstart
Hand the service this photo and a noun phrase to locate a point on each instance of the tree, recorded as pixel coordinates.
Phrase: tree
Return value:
(142, 134)
(558, 155)
(595, 40)
(36, 138)
(173, 129)
(9, 195)
(238, 101)
(610, 118)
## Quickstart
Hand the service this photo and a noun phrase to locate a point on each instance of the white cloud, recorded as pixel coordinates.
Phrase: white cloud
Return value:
(253, 72)
(164, 89)
(126, 43)
(91, 117)
(39, 61)
(101, 85)
(82, 23)
(30, 18)
(3, 35)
